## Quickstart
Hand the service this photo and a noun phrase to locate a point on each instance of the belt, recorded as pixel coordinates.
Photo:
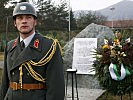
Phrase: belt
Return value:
(17, 86)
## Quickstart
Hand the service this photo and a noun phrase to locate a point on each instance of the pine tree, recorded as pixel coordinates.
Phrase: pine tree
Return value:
(73, 24)
(51, 16)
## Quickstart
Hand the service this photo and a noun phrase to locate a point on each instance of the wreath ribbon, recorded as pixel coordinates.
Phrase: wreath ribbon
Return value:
(114, 72)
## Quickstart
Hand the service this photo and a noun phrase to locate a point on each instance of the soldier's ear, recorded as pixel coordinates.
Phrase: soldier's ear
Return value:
(14, 23)
(35, 22)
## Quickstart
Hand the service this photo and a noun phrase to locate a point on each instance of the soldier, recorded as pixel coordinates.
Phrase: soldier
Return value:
(33, 67)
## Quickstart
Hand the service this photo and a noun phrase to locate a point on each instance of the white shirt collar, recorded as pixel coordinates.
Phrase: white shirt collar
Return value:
(27, 40)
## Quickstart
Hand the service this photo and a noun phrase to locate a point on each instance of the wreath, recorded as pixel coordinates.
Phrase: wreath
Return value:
(114, 65)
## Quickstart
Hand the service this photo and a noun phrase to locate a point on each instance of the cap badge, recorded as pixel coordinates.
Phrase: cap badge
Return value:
(22, 7)
(36, 42)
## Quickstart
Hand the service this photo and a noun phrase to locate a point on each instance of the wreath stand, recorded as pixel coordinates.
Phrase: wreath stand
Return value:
(121, 96)
(129, 96)
(129, 92)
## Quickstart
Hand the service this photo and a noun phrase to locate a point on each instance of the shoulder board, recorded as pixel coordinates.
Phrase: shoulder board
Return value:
(49, 37)
(56, 41)
(11, 44)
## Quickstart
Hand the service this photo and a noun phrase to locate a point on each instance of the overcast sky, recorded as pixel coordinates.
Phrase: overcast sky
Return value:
(91, 4)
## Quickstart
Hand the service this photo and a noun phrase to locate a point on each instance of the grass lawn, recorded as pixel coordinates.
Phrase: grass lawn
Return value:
(108, 96)
(1, 59)
(0, 74)
(1, 56)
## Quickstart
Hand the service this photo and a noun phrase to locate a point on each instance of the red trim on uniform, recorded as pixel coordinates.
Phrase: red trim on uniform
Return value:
(36, 42)
(14, 44)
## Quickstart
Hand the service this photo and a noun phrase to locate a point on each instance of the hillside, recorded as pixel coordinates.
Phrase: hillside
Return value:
(122, 11)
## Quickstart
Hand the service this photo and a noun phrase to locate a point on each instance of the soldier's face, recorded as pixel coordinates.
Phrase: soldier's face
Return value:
(25, 23)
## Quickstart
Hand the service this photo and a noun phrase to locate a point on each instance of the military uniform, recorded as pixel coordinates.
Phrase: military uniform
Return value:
(39, 63)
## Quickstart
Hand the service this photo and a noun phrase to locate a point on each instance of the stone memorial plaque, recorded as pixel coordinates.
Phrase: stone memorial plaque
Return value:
(83, 55)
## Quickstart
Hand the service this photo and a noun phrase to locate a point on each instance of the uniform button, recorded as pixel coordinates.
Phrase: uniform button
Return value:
(28, 74)
(13, 73)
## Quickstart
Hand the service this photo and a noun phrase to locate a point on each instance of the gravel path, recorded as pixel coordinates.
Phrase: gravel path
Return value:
(85, 94)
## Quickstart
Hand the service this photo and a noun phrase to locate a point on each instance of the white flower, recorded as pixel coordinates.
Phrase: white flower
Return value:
(99, 56)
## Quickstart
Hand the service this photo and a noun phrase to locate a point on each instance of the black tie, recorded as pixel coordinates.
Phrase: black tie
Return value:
(22, 45)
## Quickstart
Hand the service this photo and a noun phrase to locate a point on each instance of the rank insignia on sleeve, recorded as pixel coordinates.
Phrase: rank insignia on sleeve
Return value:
(36, 42)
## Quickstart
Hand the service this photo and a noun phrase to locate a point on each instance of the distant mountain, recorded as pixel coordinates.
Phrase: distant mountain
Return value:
(77, 13)
(120, 11)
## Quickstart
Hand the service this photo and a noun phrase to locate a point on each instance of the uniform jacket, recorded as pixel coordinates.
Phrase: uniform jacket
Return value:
(52, 71)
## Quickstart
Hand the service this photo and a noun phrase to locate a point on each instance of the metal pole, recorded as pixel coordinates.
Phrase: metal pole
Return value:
(112, 9)
(66, 86)
(69, 21)
(72, 87)
(112, 24)
(6, 29)
(76, 85)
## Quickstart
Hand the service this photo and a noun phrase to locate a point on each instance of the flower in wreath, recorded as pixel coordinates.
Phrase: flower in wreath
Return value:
(114, 64)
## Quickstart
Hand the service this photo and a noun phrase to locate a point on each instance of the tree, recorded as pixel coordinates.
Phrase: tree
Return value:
(51, 16)
(45, 14)
(91, 17)
(73, 24)
(62, 16)
(3, 14)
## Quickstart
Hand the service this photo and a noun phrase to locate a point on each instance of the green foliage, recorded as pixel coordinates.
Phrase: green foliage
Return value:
(4, 12)
(91, 17)
(109, 96)
(73, 24)
(51, 16)
(62, 36)
(126, 33)
(116, 52)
